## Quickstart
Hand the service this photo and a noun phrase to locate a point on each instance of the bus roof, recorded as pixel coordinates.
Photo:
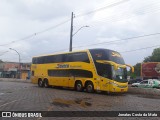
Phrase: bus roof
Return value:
(61, 53)
(102, 49)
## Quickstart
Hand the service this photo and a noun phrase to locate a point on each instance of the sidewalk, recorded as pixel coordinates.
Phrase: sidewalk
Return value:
(144, 91)
(15, 80)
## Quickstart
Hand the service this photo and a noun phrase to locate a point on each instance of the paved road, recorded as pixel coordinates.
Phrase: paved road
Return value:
(16, 96)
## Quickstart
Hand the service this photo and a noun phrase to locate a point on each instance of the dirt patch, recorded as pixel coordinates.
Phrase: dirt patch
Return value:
(67, 103)
(78, 101)
(85, 104)
(9, 92)
(62, 103)
(87, 98)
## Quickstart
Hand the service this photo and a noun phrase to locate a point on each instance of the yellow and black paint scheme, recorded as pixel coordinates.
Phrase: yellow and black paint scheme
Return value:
(47, 71)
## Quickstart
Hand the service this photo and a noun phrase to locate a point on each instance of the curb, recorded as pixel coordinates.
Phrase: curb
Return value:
(15, 80)
(144, 91)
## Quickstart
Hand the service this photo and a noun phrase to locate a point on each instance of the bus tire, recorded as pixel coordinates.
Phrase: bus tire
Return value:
(89, 87)
(46, 85)
(79, 86)
(40, 83)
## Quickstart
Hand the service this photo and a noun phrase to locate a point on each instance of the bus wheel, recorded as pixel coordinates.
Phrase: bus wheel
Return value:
(90, 87)
(40, 83)
(79, 86)
(46, 85)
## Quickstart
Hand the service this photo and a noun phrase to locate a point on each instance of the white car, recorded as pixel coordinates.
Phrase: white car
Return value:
(150, 83)
(135, 84)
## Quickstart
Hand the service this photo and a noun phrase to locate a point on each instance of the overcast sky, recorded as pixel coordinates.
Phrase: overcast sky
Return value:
(22, 18)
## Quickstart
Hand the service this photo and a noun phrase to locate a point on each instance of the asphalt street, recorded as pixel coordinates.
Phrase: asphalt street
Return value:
(19, 96)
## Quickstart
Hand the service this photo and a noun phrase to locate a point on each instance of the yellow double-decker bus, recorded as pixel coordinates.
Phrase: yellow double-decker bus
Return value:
(92, 69)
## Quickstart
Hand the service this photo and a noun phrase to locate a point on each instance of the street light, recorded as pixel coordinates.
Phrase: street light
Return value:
(70, 47)
(19, 61)
(79, 30)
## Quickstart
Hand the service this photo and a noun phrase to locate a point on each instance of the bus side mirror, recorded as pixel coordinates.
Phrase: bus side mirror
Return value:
(115, 67)
(108, 62)
(132, 68)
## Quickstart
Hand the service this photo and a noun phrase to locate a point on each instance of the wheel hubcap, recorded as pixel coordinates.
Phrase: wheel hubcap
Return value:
(45, 84)
(89, 88)
(40, 83)
(79, 87)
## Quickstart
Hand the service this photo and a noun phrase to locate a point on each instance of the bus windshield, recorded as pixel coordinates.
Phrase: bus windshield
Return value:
(104, 68)
(105, 54)
(119, 75)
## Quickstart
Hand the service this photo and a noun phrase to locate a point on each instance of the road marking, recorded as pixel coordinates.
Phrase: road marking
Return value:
(1, 93)
(9, 103)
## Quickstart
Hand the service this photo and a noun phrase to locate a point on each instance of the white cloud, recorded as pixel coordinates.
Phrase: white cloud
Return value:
(22, 18)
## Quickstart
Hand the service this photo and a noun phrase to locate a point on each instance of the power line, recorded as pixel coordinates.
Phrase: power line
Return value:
(140, 49)
(2, 53)
(127, 16)
(40, 32)
(139, 11)
(100, 9)
(32, 35)
(122, 51)
(112, 42)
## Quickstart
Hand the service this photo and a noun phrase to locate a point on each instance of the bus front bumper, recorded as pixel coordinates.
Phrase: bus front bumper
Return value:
(118, 87)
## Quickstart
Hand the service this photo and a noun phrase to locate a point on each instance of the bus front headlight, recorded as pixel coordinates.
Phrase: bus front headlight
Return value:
(114, 84)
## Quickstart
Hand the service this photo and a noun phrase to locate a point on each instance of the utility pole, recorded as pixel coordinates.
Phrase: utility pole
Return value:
(70, 45)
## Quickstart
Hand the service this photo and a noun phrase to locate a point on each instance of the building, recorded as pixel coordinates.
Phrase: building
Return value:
(14, 70)
(25, 70)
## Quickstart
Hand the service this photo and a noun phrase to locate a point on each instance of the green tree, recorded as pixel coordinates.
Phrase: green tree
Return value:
(155, 57)
(137, 70)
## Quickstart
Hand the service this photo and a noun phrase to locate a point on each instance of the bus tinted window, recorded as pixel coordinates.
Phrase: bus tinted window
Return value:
(75, 57)
(40, 60)
(104, 70)
(70, 72)
(81, 73)
(116, 57)
(104, 54)
(58, 73)
(70, 57)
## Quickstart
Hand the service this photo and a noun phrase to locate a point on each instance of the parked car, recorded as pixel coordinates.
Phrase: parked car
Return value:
(150, 83)
(135, 84)
(134, 81)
